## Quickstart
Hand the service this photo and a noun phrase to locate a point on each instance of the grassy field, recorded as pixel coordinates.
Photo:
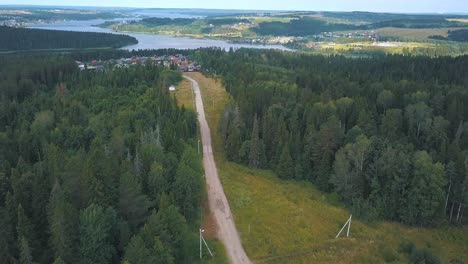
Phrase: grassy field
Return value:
(413, 33)
(184, 95)
(462, 20)
(387, 47)
(390, 47)
(293, 222)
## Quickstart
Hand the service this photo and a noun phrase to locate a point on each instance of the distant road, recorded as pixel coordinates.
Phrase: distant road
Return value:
(219, 205)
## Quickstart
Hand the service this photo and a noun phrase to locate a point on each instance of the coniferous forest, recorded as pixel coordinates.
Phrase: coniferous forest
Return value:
(102, 166)
(95, 167)
(387, 134)
(12, 39)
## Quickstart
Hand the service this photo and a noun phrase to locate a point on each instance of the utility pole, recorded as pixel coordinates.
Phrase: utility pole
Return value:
(348, 223)
(199, 232)
(206, 245)
(193, 98)
(198, 146)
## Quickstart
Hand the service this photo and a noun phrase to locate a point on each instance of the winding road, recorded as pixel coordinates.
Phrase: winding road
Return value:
(218, 203)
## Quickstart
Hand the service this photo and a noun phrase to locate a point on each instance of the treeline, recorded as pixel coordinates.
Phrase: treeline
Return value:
(454, 35)
(370, 17)
(300, 27)
(307, 26)
(95, 167)
(156, 21)
(387, 134)
(13, 39)
(48, 14)
(226, 21)
(432, 22)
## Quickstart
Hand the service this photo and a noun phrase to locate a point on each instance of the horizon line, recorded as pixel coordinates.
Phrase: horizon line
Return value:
(232, 9)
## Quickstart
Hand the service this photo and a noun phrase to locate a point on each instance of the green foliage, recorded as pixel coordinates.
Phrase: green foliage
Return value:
(426, 194)
(156, 21)
(226, 21)
(421, 22)
(165, 234)
(137, 252)
(59, 260)
(349, 168)
(417, 255)
(285, 166)
(35, 39)
(257, 150)
(188, 184)
(25, 251)
(133, 204)
(300, 27)
(63, 219)
(6, 237)
(351, 126)
(97, 227)
(87, 156)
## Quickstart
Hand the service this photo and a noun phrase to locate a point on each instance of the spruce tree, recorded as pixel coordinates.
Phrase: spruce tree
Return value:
(25, 251)
(255, 146)
(285, 167)
(63, 221)
(97, 226)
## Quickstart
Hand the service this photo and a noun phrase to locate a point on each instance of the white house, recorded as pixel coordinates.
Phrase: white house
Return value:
(172, 88)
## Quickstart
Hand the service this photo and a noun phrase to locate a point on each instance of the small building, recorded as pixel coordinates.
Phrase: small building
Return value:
(172, 88)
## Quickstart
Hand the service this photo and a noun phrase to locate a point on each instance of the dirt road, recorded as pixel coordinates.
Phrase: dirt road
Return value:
(219, 205)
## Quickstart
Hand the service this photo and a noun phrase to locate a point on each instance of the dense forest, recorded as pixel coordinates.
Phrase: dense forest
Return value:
(12, 39)
(307, 26)
(370, 17)
(387, 134)
(157, 21)
(227, 21)
(53, 14)
(454, 35)
(432, 22)
(300, 27)
(95, 167)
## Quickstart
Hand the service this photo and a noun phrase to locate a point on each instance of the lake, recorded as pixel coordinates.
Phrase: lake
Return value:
(151, 41)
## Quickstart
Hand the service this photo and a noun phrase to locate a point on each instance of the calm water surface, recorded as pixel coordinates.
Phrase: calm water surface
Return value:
(151, 41)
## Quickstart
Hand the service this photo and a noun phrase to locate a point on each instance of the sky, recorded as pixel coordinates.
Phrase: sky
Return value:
(399, 6)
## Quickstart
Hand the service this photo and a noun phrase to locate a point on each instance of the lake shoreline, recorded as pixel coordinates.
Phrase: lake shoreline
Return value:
(151, 40)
